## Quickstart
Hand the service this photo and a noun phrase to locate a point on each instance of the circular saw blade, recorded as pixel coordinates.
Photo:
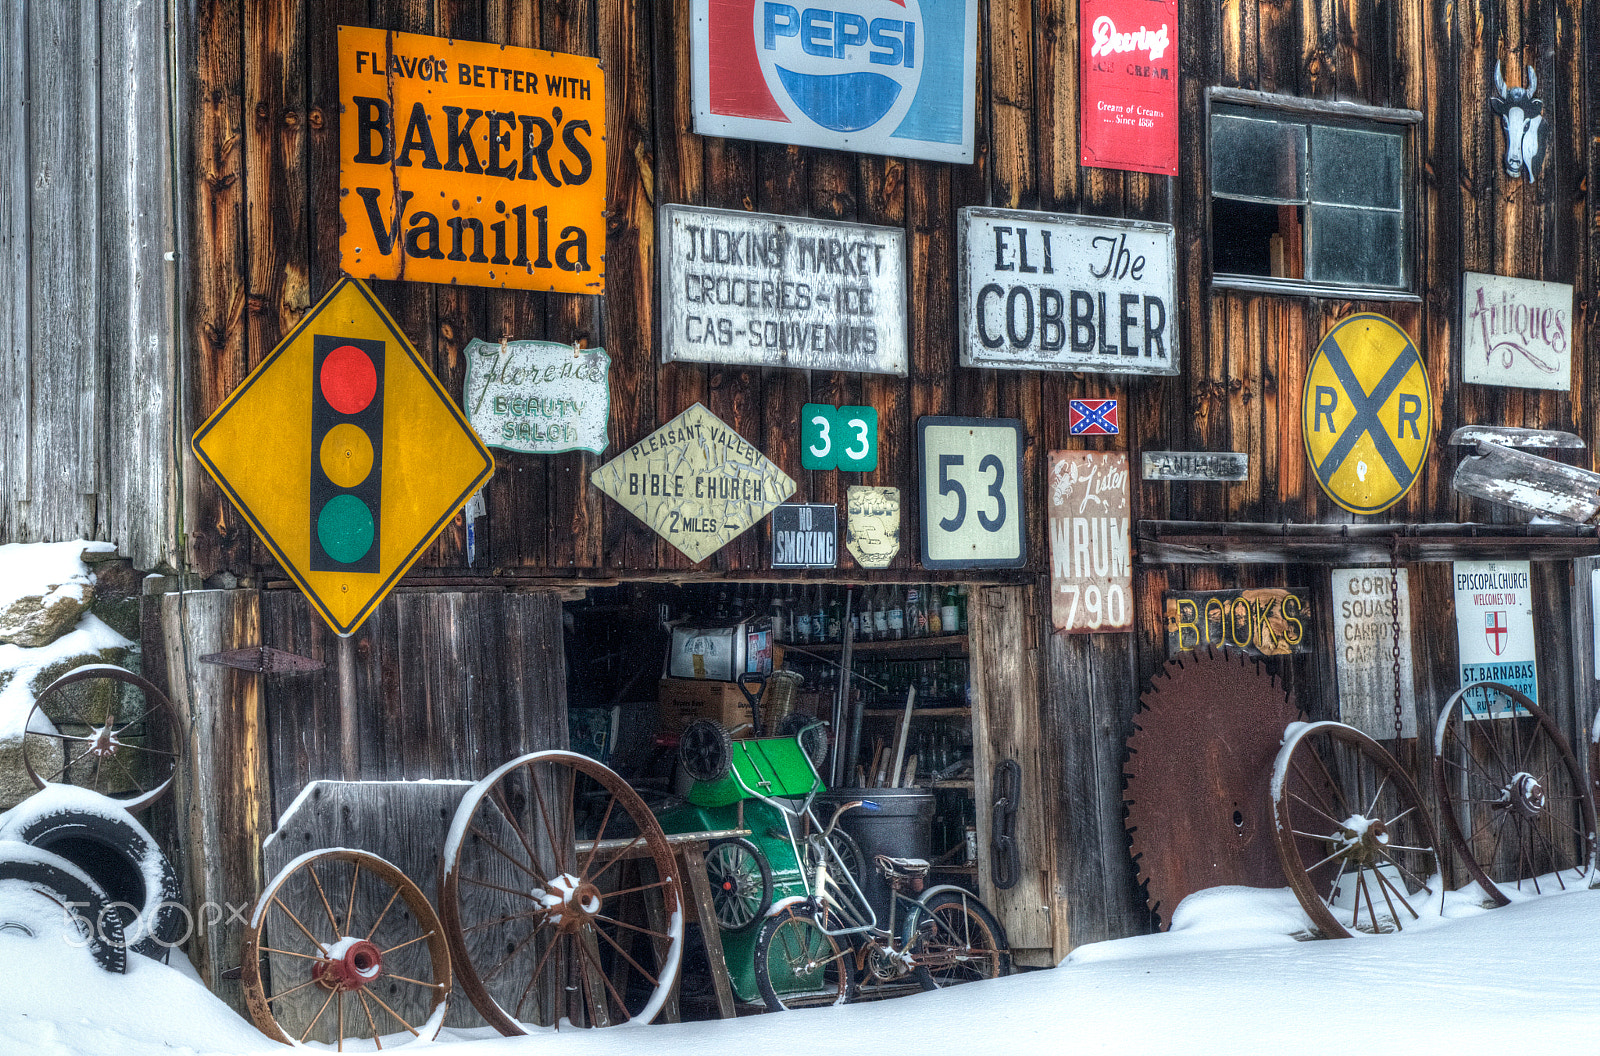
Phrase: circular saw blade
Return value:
(1199, 770)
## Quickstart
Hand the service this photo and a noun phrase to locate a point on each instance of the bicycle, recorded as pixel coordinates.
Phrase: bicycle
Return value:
(810, 948)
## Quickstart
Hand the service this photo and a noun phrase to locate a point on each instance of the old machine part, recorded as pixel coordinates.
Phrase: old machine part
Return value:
(128, 751)
(1513, 796)
(1005, 866)
(560, 897)
(1352, 833)
(47, 897)
(741, 883)
(705, 750)
(1199, 766)
(363, 958)
(95, 834)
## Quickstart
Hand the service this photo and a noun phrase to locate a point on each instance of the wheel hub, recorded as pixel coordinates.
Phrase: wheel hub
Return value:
(1361, 840)
(348, 965)
(105, 743)
(1524, 793)
(569, 902)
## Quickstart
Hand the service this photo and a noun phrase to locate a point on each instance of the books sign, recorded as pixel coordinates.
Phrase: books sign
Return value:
(1264, 621)
(1091, 576)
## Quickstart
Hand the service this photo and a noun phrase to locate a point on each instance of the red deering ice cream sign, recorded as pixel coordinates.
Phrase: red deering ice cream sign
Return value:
(1130, 84)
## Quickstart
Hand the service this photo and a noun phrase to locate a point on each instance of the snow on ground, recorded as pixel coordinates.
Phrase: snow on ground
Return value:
(1228, 980)
(46, 570)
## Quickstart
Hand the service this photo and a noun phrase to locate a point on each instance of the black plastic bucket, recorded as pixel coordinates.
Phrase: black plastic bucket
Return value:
(902, 826)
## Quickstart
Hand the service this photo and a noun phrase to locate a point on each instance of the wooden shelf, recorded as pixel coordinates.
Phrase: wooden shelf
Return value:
(957, 870)
(955, 782)
(931, 713)
(935, 645)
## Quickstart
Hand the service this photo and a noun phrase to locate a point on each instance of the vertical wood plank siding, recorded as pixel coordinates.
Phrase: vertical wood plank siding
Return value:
(264, 202)
(87, 355)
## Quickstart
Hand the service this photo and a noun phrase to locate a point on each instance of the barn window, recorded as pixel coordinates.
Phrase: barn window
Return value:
(1302, 199)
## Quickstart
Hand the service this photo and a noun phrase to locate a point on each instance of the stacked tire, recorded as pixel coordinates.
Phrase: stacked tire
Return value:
(73, 860)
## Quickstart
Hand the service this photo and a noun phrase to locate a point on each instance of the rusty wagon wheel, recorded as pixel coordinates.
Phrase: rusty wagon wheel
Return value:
(1514, 799)
(560, 897)
(1352, 834)
(343, 947)
(125, 752)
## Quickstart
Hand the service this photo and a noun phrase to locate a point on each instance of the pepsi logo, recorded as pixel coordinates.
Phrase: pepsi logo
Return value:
(842, 70)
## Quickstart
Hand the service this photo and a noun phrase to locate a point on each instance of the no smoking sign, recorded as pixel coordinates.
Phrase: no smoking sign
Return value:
(1366, 413)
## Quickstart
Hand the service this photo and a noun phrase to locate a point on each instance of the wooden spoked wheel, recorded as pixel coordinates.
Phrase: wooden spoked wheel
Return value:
(342, 947)
(105, 742)
(1355, 842)
(560, 897)
(1514, 799)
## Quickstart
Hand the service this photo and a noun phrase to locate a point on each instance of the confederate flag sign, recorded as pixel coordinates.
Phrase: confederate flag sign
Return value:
(1092, 418)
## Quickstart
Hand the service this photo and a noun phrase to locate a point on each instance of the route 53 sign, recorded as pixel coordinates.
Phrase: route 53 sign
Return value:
(838, 437)
(972, 515)
(1366, 413)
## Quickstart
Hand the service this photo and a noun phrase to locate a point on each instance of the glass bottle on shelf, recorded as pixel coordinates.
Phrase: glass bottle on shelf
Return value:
(780, 632)
(819, 616)
(935, 616)
(897, 614)
(855, 613)
(802, 620)
(949, 611)
(835, 618)
(916, 613)
(880, 615)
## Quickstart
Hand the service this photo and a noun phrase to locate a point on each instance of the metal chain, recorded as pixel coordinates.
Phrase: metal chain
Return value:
(1394, 620)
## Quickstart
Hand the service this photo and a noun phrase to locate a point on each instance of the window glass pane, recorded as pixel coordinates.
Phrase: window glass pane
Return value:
(1254, 158)
(1364, 246)
(1352, 167)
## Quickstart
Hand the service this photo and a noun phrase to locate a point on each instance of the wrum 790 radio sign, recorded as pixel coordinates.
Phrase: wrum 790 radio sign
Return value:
(470, 163)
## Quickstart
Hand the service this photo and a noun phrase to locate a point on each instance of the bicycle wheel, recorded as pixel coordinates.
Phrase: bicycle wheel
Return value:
(798, 964)
(741, 883)
(958, 940)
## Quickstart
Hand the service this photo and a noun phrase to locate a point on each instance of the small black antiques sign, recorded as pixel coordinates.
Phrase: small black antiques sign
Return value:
(805, 535)
(1267, 621)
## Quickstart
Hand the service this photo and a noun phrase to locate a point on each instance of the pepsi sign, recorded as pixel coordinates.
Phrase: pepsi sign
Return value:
(894, 77)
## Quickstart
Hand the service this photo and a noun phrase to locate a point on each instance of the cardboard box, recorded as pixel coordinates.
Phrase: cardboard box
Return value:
(682, 700)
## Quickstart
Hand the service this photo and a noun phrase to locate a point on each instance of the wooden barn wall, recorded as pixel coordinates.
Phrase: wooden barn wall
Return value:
(449, 686)
(88, 384)
(264, 134)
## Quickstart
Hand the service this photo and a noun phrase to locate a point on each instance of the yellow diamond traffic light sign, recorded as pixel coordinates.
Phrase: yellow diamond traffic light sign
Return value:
(344, 453)
(1366, 413)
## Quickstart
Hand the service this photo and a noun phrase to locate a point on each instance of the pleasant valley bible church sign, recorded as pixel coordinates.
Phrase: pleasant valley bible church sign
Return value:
(470, 163)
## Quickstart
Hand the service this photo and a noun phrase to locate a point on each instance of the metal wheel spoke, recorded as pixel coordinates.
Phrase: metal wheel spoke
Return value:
(1318, 810)
(323, 895)
(518, 948)
(474, 881)
(418, 982)
(385, 913)
(1311, 788)
(591, 957)
(290, 953)
(1385, 886)
(350, 906)
(615, 858)
(631, 927)
(498, 797)
(341, 1020)
(627, 956)
(291, 990)
(398, 1018)
(408, 942)
(599, 834)
(313, 1024)
(505, 854)
(362, 997)
(549, 824)
(538, 970)
(530, 914)
(314, 941)
(641, 887)
(1373, 809)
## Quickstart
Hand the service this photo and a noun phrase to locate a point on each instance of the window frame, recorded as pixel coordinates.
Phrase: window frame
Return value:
(1335, 114)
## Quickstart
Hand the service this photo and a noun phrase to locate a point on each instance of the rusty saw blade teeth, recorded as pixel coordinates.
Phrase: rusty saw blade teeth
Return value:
(1198, 771)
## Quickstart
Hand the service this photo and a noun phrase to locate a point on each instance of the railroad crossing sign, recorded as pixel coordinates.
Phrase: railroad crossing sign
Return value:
(1366, 414)
(345, 454)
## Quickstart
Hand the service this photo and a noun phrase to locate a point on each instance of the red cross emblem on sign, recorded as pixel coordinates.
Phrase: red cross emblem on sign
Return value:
(1494, 629)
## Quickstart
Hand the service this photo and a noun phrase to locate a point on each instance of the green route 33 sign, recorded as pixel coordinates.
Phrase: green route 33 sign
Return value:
(839, 437)
(971, 473)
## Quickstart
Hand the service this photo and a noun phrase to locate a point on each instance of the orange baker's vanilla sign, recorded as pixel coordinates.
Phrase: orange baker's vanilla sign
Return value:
(470, 163)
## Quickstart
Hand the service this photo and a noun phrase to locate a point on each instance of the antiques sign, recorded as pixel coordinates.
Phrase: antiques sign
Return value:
(1494, 629)
(345, 454)
(538, 397)
(1268, 621)
(893, 77)
(754, 289)
(1366, 413)
(1129, 112)
(1195, 465)
(1363, 646)
(1516, 332)
(1091, 576)
(971, 475)
(695, 482)
(1048, 291)
(872, 532)
(805, 535)
(471, 163)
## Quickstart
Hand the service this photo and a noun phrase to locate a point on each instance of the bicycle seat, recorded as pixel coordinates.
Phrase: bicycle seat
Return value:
(901, 868)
